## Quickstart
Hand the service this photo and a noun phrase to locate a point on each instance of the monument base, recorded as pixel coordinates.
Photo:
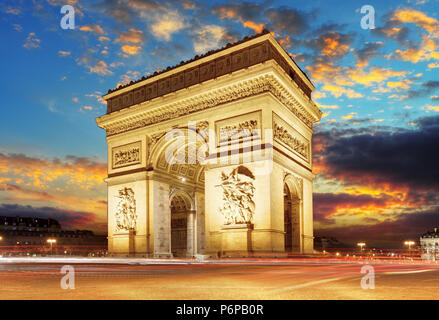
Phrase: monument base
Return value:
(236, 240)
(123, 243)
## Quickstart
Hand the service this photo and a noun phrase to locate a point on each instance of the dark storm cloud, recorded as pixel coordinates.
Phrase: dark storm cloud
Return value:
(288, 20)
(331, 44)
(369, 51)
(67, 218)
(392, 28)
(240, 10)
(425, 89)
(389, 234)
(407, 157)
(126, 11)
(327, 203)
(283, 20)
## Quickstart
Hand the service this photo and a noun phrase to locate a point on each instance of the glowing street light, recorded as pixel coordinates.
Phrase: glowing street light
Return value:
(409, 243)
(361, 245)
(51, 241)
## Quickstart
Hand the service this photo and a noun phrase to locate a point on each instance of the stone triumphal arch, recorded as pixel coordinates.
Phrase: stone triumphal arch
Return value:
(213, 156)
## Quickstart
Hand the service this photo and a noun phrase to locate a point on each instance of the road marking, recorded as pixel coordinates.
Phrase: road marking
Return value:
(306, 284)
(407, 272)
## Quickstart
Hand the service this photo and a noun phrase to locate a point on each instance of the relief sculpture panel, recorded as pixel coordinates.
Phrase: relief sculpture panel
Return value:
(238, 196)
(288, 136)
(126, 216)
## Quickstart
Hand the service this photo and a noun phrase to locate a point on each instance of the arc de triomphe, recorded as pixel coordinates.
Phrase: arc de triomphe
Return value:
(213, 156)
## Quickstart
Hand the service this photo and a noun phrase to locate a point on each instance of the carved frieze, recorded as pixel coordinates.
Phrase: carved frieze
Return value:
(240, 128)
(126, 216)
(287, 135)
(237, 131)
(255, 86)
(126, 155)
(238, 196)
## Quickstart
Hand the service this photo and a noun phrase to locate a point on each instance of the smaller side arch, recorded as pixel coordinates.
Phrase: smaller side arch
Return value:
(183, 195)
(293, 216)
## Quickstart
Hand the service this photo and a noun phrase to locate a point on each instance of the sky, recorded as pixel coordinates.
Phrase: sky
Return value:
(375, 149)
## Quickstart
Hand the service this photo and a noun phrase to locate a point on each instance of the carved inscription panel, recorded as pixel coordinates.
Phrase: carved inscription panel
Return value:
(126, 155)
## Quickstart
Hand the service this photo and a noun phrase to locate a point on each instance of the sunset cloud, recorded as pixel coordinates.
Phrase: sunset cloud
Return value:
(64, 53)
(208, 37)
(100, 68)
(131, 50)
(130, 36)
(94, 28)
(166, 23)
(32, 41)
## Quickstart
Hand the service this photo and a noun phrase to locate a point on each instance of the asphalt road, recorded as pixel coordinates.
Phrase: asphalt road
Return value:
(259, 280)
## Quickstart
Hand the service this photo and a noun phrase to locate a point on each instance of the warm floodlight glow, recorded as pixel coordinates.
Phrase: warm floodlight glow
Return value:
(409, 243)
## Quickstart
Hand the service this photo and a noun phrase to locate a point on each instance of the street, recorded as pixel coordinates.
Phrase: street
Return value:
(23, 279)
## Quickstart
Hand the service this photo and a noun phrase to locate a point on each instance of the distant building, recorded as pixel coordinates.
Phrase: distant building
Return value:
(430, 245)
(325, 243)
(29, 235)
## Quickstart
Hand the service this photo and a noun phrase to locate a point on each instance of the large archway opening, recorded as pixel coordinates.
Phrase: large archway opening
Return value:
(180, 209)
(176, 159)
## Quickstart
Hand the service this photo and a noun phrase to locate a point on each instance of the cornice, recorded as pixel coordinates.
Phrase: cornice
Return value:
(140, 116)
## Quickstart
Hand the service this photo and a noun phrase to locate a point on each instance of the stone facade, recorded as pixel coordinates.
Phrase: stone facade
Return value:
(215, 149)
(429, 242)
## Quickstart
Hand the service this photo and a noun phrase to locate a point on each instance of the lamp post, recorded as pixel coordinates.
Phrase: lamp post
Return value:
(51, 241)
(361, 245)
(409, 243)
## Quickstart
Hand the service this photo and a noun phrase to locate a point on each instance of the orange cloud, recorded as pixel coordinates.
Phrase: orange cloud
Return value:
(230, 13)
(71, 183)
(419, 18)
(338, 91)
(256, 27)
(94, 28)
(131, 50)
(333, 47)
(131, 36)
(414, 55)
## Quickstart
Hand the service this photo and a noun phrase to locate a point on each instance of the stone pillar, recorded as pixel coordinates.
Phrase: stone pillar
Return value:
(190, 234)
(200, 223)
(307, 217)
(160, 214)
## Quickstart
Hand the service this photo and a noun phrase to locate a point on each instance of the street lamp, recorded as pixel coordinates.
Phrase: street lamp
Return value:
(409, 243)
(361, 245)
(51, 241)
